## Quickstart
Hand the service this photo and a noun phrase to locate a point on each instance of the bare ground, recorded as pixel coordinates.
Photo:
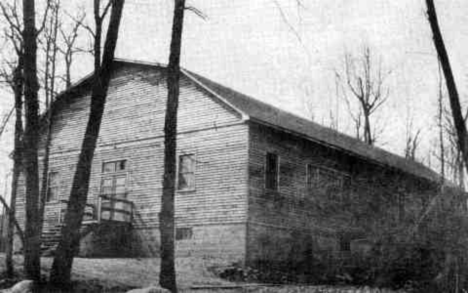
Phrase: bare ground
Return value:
(121, 274)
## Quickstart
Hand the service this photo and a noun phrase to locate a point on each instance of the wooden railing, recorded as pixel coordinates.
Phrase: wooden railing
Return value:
(115, 209)
(108, 209)
(90, 213)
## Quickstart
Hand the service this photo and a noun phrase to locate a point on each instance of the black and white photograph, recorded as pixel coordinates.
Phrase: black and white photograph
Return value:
(238, 146)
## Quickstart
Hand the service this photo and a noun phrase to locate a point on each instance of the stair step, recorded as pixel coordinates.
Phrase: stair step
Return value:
(50, 238)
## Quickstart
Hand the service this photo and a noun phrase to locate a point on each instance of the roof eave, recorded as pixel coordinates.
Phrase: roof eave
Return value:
(332, 146)
(243, 115)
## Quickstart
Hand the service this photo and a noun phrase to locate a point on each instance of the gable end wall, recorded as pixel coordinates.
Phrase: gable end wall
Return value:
(132, 130)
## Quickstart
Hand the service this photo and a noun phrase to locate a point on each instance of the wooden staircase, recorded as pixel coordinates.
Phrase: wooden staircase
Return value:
(109, 210)
(50, 239)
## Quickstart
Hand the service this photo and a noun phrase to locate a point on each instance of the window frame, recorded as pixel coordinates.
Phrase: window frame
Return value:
(193, 172)
(113, 175)
(311, 171)
(115, 169)
(48, 199)
(344, 242)
(267, 174)
(183, 233)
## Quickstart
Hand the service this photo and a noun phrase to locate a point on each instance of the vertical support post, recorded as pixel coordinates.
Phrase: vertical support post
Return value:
(99, 209)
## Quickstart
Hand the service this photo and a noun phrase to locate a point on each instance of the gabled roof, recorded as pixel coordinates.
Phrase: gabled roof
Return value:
(267, 114)
(260, 112)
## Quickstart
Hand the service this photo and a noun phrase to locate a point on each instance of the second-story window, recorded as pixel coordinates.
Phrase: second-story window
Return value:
(311, 173)
(271, 171)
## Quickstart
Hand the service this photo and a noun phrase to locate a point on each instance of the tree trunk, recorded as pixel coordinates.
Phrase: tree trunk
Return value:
(52, 62)
(461, 171)
(32, 234)
(444, 60)
(440, 115)
(97, 35)
(70, 234)
(167, 276)
(18, 93)
(367, 129)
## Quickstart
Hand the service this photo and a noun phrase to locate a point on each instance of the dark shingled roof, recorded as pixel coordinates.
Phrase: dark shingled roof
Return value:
(270, 115)
(261, 112)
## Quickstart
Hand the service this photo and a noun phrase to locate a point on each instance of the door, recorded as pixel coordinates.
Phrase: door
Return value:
(113, 188)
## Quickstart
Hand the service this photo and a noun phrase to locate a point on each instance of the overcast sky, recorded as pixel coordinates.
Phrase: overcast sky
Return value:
(248, 45)
(287, 56)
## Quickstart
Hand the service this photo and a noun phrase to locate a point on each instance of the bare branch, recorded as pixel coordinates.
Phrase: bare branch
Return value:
(80, 22)
(10, 17)
(18, 227)
(5, 120)
(14, 31)
(106, 9)
(197, 12)
(44, 19)
(291, 27)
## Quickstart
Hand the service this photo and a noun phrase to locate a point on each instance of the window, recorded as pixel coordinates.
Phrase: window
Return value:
(345, 243)
(271, 171)
(114, 179)
(183, 233)
(53, 186)
(310, 176)
(114, 166)
(186, 172)
(401, 205)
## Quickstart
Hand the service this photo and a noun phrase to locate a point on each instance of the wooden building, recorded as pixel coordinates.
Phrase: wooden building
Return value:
(254, 182)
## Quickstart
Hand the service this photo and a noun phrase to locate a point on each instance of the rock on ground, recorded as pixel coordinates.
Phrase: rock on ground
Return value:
(25, 286)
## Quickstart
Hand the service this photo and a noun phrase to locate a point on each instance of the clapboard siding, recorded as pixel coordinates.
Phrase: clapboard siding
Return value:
(132, 130)
(135, 110)
(218, 196)
(286, 223)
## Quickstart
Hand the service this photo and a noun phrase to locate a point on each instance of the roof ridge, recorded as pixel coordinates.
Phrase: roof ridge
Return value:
(260, 111)
(339, 139)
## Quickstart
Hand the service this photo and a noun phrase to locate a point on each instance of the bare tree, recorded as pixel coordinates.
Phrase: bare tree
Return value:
(365, 81)
(17, 162)
(458, 119)
(440, 125)
(458, 122)
(70, 233)
(69, 49)
(454, 164)
(167, 276)
(14, 78)
(412, 141)
(22, 34)
(30, 138)
(449, 154)
(50, 51)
